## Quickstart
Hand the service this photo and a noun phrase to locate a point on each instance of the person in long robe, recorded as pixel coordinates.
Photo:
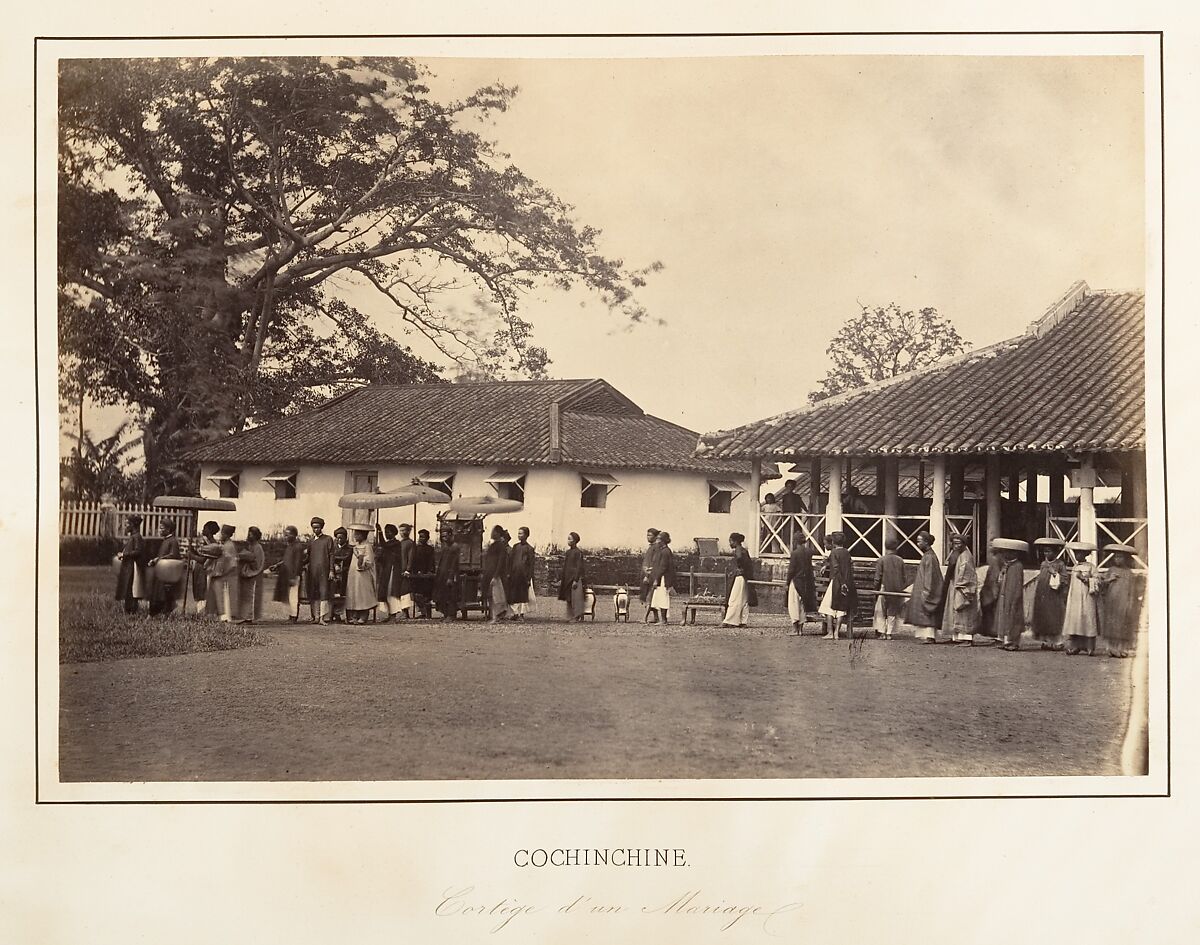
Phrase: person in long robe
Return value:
(318, 566)
(574, 577)
(647, 589)
(1081, 622)
(521, 561)
(494, 573)
(445, 581)
(948, 578)
(840, 600)
(1050, 595)
(740, 596)
(400, 585)
(891, 580)
(225, 577)
(662, 577)
(287, 573)
(361, 594)
(926, 596)
(989, 592)
(339, 573)
(251, 583)
(801, 585)
(165, 594)
(201, 554)
(1010, 601)
(1120, 604)
(131, 577)
(960, 611)
(422, 566)
(386, 560)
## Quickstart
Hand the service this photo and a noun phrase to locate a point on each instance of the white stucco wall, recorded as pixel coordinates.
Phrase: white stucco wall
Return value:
(675, 501)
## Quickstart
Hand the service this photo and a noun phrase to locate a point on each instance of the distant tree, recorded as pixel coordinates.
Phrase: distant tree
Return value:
(215, 214)
(883, 342)
(96, 468)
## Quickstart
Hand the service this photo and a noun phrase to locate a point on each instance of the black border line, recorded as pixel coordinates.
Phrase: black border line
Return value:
(562, 800)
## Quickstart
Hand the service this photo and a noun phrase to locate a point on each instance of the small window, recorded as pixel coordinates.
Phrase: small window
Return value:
(228, 482)
(595, 490)
(441, 480)
(508, 485)
(283, 481)
(721, 493)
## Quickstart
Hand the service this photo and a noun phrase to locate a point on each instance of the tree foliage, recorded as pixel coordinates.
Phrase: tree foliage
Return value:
(883, 342)
(98, 468)
(217, 217)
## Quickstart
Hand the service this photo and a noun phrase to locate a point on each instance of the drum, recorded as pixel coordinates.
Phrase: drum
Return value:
(170, 570)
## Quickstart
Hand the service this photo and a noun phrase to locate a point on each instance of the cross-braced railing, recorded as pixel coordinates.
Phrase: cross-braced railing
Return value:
(780, 529)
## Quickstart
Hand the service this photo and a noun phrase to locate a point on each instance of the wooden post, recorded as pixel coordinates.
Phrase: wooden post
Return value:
(957, 477)
(1137, 485)
(937, 506)
(814, 485)
(1087, 502)
(1058, 497)
(754, 535)
(891, 497)
(992, 491)
(880, 480)
(833, 511)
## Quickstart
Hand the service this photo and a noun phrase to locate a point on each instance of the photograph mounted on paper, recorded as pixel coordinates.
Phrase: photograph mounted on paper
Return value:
(490, 419)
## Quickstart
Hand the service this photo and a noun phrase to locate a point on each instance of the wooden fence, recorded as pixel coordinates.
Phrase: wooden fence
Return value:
(95, 520)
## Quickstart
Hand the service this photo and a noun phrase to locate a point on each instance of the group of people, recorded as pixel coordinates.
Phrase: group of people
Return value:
(1073, 604)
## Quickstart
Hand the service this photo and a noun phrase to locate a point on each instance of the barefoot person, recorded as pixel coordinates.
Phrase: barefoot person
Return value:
(202, 552)
(318, 565)
(662, 577)
(251, 561)
(741, 596)
(1120, 603)
(445, 580)
(287, 573)
(960, 616)
(400, 587)
(841, 596)
(570, 588)
(131, 576)
(1050, 594)
(521, 562)
(422, 566)
(225, 577)
(361, 594)
(926, 596)
(801, 585)
(339, 573)
(164, 592)
(1081, 622)
(647, 588)
(495, 572)
(1010, 600)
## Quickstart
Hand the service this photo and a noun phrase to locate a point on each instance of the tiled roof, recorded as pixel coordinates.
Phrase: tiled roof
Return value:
(1075, 381)
(500, 423)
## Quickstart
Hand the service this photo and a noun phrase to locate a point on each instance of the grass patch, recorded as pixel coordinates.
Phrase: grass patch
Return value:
(93, 627)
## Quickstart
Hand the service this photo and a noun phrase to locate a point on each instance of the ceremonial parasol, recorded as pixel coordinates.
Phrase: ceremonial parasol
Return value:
(412, 494)
(196, 503)
(484, 505)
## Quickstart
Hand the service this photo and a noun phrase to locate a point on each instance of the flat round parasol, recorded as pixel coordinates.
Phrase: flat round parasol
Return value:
(398, 498)
(485, 505)
(197, 502)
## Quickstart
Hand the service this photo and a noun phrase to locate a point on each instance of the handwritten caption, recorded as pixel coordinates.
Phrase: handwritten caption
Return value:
(506, 912)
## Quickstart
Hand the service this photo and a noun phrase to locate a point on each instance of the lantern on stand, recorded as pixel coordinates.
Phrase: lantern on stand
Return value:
(589, 604)
(621, 604)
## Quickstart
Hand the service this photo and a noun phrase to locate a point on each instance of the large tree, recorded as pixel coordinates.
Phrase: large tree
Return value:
(218, 218)
(883, 342)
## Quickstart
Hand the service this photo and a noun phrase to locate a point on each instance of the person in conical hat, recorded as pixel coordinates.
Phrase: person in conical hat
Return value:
(1119, 602)
(1081, 622)
(1010, 600)
(1050, 594)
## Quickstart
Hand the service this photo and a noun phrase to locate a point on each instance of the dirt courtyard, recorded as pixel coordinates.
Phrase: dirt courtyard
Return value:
(547, 699)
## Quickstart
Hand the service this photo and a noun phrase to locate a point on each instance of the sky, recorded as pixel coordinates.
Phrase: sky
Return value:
(782, 193)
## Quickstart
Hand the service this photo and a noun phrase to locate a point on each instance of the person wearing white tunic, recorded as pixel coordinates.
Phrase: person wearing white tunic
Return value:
(361, 597)
(1081, 623)
(961, 617)
(741, 593)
